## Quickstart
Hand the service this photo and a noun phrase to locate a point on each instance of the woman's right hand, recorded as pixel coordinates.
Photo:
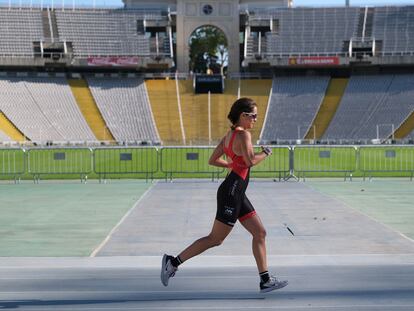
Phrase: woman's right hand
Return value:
(266, 150)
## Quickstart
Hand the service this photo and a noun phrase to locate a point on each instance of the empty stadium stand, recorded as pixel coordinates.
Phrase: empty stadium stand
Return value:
(294, 104)
(372, 107)
(330, 103)
(308, 30)
(194, 109)
(104, 32)
(259, 91)
(125, 106)
(394, 26)
(43, 109)
(89, 109)
(8, 130)
(19, 28)
(4, 137)
(163, 98)
(406, 129)
(390, 112)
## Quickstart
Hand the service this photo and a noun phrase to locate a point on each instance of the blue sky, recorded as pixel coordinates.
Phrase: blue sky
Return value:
(118, 3)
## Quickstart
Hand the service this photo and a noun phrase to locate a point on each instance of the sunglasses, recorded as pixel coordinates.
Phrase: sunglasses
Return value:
(251, 115)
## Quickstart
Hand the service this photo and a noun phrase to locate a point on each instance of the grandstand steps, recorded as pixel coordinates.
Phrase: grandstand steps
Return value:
(259, 91)
(55, 34)
(361, 19)
(45, 24)
(10, 129)
(327, 110)
(89, 109)
(163, 99)
(405, 128)
(369, 22)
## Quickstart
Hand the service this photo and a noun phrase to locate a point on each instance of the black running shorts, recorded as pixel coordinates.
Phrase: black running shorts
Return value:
(232, 203)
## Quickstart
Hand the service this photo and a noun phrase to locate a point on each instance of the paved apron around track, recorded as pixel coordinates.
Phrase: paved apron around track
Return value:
(338, 259)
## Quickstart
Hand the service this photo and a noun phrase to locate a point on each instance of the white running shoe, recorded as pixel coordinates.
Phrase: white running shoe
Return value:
(272, 284)
(167, 269)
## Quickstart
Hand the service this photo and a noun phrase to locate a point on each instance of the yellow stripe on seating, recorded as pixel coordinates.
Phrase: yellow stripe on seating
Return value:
(90, 110)
(405, 128)
(163, 99)
(9, 129)
(327, 110)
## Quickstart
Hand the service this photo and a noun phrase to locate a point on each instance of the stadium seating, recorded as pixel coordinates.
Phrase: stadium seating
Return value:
(4, 137)
(395, 27)
(124, 104)
(293, 106)
(163, 97)
(44, 109)
(18, 29)
(392, 109)
(104, 32)
(310, 30)
(370, 101)
(259, 91)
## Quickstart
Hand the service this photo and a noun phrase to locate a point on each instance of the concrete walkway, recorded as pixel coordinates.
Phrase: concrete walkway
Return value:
(336, 259)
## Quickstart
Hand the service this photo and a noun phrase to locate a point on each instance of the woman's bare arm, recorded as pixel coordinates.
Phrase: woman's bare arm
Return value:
(216, 159)
(250, 157)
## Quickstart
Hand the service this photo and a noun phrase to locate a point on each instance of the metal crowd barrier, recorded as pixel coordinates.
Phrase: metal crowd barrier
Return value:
(278, 163)
(179, 161)
(143, 160)
(318, 159)
(386, 159)
(53, 161)
(188, 160)
(12, 162)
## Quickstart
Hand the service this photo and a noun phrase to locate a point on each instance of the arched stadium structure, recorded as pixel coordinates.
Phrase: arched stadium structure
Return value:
(320, 75)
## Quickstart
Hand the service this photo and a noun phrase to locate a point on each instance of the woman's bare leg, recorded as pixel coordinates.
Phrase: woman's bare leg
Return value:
(255, 227)
(217, 235)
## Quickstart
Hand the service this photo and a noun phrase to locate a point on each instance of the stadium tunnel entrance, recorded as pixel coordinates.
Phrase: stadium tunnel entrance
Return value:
(208, 50)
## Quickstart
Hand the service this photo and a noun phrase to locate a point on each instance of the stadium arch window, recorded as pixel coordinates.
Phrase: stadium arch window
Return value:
(208, 50)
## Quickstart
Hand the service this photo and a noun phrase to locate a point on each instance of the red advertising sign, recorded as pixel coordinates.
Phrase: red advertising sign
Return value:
(111, 61)
(314, 61)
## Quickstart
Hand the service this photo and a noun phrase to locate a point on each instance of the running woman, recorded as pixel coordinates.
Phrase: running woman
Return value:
(232, 203)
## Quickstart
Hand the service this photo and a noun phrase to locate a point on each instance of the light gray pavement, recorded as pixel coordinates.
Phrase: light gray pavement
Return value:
(172, 215)
(337, 260)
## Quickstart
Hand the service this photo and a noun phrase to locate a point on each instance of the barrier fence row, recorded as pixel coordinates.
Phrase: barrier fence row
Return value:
(286, 161)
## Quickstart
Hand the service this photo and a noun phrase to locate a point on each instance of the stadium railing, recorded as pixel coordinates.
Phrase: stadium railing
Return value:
(187, 160)
(318, 159)
(12, 163)
(386, 159)
(108, 161)
(168, 162)
(57, 161)
(279, 163)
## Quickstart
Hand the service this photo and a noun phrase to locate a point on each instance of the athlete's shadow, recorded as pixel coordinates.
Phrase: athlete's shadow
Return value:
(16, 304)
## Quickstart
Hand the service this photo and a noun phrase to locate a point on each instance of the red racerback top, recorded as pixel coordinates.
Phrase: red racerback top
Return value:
(238, 165)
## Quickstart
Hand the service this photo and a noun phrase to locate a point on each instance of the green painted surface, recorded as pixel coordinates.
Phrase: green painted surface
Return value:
(62, 219)
(390, 202)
